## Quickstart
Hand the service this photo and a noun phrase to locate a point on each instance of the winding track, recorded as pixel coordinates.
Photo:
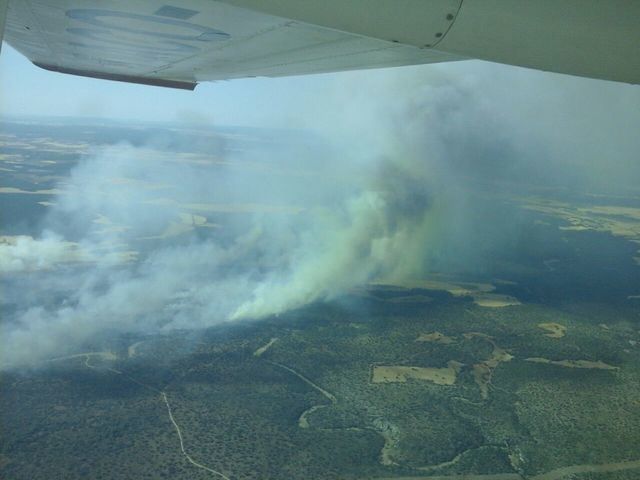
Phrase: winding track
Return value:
(187, 456)
(329, 395)
(173, 420)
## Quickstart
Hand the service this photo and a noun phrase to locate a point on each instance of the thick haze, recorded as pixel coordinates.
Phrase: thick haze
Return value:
(383, 195)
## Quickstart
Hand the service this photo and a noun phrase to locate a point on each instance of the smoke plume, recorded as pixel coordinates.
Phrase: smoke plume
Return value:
(149, 238)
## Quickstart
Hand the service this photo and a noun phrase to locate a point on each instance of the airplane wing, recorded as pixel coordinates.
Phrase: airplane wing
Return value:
(180, 43)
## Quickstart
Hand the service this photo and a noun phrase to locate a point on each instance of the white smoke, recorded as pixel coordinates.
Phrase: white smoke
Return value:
(24, 253)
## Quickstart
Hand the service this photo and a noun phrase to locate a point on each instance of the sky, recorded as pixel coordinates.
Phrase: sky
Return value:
(302, 101)
(28, 90)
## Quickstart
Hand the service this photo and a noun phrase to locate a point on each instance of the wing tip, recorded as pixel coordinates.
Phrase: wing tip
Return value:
(118, 77)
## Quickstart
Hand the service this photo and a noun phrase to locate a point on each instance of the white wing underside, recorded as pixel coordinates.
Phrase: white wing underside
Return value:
(181, 43)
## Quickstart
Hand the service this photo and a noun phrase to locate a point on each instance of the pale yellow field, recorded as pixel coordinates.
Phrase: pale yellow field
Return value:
(52, 191)
(400, 374)
(458, 289)
(411, 299)
(481, 293)
(555, 330)
(616, 220)
(242, 208)
(494, 300)
(599, 365)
